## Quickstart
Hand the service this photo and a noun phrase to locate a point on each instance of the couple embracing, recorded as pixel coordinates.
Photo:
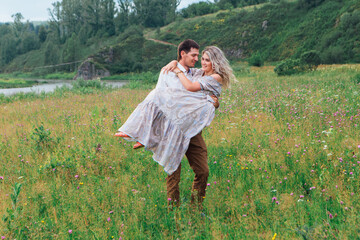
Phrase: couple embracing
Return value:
(170, 119)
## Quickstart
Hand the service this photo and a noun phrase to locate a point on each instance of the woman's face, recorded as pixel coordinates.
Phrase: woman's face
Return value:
(206, 63)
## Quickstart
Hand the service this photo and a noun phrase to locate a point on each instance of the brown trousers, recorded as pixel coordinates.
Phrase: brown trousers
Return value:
(197, 157)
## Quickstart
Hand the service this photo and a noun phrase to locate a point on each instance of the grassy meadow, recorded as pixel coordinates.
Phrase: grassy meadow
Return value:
(283, 155)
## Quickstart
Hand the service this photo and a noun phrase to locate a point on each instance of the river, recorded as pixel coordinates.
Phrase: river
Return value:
(51, 85)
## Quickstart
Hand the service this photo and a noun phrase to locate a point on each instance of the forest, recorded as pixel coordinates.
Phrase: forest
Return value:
(77, 29)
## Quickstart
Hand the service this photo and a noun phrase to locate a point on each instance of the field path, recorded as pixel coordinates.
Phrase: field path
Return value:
(162, 42)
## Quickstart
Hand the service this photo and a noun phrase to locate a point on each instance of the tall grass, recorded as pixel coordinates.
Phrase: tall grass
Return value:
(283, 158)
(16, 83)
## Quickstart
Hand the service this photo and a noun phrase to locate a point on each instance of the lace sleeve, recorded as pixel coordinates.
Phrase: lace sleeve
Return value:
(209, 83)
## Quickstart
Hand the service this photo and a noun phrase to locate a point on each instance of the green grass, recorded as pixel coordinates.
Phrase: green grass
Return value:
(283, 158)
(145, 80)
(60, 75)
(37, 75)
(16, 83)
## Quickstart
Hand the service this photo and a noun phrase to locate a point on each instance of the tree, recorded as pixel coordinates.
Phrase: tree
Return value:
(108, 13)
(8, 48)
(155, 13)
(92, 15)
(123, 17)
(29, 41)
(51, 53)
(55, 23)
(18, 26)
(71, 49)
(42, 34)
(309, 3)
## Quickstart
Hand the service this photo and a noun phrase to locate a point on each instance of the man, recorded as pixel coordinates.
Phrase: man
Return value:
(188, 54)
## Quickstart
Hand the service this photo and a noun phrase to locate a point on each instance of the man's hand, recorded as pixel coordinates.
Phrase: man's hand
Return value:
(216, 101)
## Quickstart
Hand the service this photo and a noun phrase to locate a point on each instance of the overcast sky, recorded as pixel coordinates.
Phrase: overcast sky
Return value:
(36, 10)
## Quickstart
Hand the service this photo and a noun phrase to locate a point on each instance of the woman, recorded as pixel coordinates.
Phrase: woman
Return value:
(168, 118)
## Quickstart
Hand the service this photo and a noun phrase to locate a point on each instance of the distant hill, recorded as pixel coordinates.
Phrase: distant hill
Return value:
(275, 31)
(39, 23)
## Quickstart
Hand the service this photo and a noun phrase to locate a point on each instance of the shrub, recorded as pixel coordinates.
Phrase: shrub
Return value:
(356, 78)
(42, 138)
(310, 60)
(256, 60)
(80, 83)
(288, 67)
(333, 54)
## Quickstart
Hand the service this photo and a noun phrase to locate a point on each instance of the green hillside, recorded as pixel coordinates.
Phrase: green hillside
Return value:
(274, 31)
(277, 31)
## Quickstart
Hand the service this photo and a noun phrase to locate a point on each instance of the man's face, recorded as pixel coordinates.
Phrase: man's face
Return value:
(189, 59)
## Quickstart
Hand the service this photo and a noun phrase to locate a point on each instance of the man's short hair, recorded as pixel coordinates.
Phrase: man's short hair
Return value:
(186, 46)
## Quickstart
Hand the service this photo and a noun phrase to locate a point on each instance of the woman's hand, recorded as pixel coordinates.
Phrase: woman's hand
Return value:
(216, 101)
(169, 67)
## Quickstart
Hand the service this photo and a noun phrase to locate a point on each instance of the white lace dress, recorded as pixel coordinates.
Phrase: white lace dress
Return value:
(169, 117)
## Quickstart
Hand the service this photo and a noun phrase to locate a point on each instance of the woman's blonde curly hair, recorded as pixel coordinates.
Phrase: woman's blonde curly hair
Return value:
(220, 64)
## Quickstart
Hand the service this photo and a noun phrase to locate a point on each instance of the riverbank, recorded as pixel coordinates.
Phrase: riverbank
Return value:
(144, 80)
(58, 89)
(17, 83)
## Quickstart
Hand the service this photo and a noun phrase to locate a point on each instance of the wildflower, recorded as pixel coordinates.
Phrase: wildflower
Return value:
(2, 237)
(331, 216)
(301, 196)
(70, 231)
(169, 199)
(109, 219)
(291, 194)
(273, 199)
(1, 177)
(76, 176)
(273, 238)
